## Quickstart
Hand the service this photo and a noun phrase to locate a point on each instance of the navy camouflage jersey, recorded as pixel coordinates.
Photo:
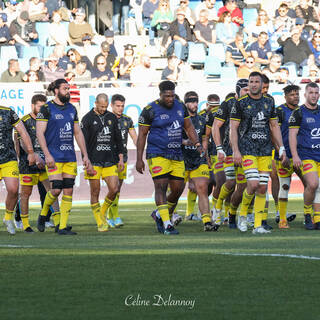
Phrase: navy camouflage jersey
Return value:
(166, 127)
(283, 114)
(254, 115)
(24, 168)
(8, 120)
(191, 156)
(308, 138)
(126, 124)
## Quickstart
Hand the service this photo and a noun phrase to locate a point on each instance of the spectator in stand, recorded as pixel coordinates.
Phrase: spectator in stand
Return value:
(88, 48)
(273, 69)
(283, 23)
(79, 27)
(105, 52)
(142, 75)
(126, 63)
(13, 73)
(120, 14)
(23, 31)
(296, 51)
(261, 49)
(283, 76)
(162, 17)
(82, 74)
(171, 72)
(208, 5)
(248, 67)
(225, 29)
(57, 31)
(102, 73)
(35, 66)
(73, 89)
(31, 76)
(180, 33)
(136, 6)
(63, 59)
(237, 51)
(236, 14)
(291, 5)
(58, 5)
(314, 45)
(75, 57)
(38, 11)
(190, 16)
(52, 71)
(309, 14)
(91, 5)
(12, 10)
(148, 9)
(109, 38)
(5, 36)
(204, 30)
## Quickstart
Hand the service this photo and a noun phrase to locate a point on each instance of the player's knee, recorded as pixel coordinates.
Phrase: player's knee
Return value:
(12, 191)
(230, 184)
(25, 193)
(68, 183)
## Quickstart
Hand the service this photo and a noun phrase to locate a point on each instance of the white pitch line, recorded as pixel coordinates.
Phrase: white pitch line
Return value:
(13, 246)
(291, 256)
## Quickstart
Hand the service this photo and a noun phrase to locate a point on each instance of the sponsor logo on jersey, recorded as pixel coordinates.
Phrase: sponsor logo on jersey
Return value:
(260, 116)
(94, 172)
(315, 133)
(95, 122)
(219, 112)
(59, 116)
(103, 147)
(164, 116)
(307, 166)
(106, 130)
(141, 119)
(72, 115)
(258, 135)
(174, 145)
(53, 169)
(240, 177)
(26, 179)
(40, 115)
(66, 147)
(247, 162)
(67, 127)
(218, 165)
(109, 122)
(179, 112)
(156, 169)
(249, 107)
(282, 171)
(310, 120)
(228, 160)
(175, 125)
(125, 123)
(15, 173)
(292, 119)
(316, 146)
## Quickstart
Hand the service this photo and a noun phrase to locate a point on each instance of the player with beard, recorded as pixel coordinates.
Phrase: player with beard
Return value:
(196, 165)
(162, 122)
(253, 126)
(291, 94)
(304, 141)
(57, 126)
(102, 134)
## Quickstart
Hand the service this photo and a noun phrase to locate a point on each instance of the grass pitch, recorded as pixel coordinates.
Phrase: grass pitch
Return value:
(228, 275)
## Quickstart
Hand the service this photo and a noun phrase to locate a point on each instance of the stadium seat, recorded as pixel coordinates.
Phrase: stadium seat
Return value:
(212, 66)
(47, 51)
(228, 73)
(8, 52)
(29, 52)
(42, 29)
(217, 50)
(305, 71)
(24, 64)
(193, 4)
(249, 15)
(197, 53)
(218, 4)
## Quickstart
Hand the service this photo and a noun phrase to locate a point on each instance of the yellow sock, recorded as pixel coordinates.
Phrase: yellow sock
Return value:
(95, 207)
(265, 214)
(206, 217)
(49, 200)
(171, 207)
(245, 203)
(191, 202)
(226, 209)
(164, 212)
(56, 217)
(283, 209)
(113, 211)
(8, 215)
(233, 209)
(66, 204)
(105, 206)
(224, 192)
(214, 201)
(25, 220)
(307, 209)
(259, 204)
(316, 216)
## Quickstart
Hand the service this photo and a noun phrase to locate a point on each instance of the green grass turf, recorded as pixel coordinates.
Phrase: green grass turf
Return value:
(89, 276)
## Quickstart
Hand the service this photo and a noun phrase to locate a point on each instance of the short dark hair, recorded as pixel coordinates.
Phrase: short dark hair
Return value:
(230, 95)
(117, 97)
(311, 85)
(264, 78)
(190, 94)
(290, 87)
(213, 96)
(38, 97)
(166, 85)
(255, 74)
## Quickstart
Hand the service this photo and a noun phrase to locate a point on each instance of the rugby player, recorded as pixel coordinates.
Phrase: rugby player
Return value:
(126, 127)
(32, 175)
(101, 131)
(291, 94)
(9, 170)
(253, 124)
(196, 165)
(162, 122)
(57, 125)
(304, 141)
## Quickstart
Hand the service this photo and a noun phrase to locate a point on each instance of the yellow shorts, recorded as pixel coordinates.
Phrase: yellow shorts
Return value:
(102, 172)
(159, 166)
(63, 167)
(123, 174)
(273, 154)
(284, 172)
(261, 163)
(240, 176)
(201, 172)
(9, 169)
(217, 166)
(228, 162)
(310, 166)
(32, 179)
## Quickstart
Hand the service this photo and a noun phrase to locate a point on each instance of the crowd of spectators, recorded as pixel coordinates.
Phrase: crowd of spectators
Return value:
(282, 38)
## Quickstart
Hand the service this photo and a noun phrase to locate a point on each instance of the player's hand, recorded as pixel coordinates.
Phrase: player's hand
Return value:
(221, 155)
(120, 166)
(140, 167)
(297, 163)
(50, 161)
(201, 151)
(237, 158)
(40, 162)
(32, 157)
(87, 164)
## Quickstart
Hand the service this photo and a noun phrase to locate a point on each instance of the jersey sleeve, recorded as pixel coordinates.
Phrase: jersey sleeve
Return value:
(44, 113)
(130, 123)
(146, 117)
(279, 112)
(84, 125)
(118, 136)
(14, 119)
(76, 118)
(235, 113)
(273, 115)
(186, 113)
(222, 112)
(209, 119)
(295, 119)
